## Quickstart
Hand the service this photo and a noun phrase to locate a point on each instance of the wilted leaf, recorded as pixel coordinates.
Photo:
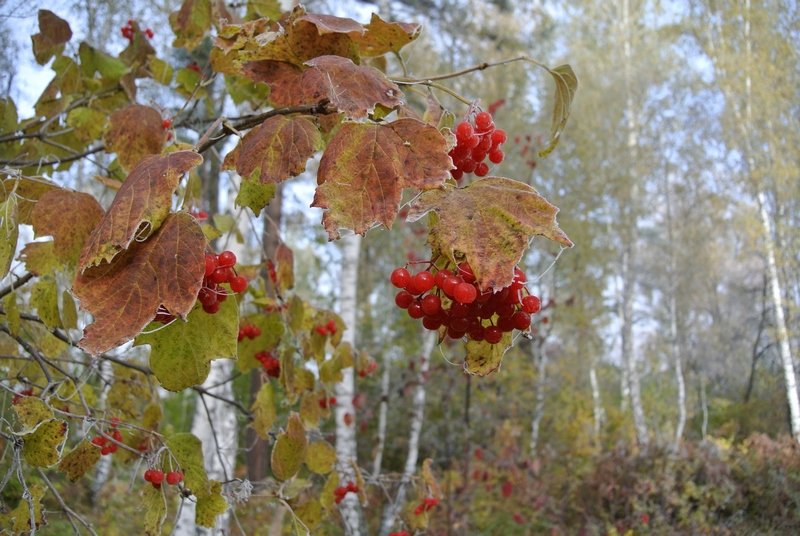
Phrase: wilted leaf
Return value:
(31, 412)
(566, 85)
(165, 270)
(55, 207)
(190, 23)
(155, 510)
(365, 168)
(321, 457)
(277, 149)
(289, 450)
(382, 37)
(41, 447)
(135, 132)
(44, 297)
(264, 411)
(490, 223)
(79, 460)
(53, 33)
(139, 207)
(181, 353)
(483, 358)
(188, 452)
(210, 506)
(430, 481)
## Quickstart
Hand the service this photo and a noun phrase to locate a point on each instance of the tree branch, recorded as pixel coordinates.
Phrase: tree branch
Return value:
(21, 280)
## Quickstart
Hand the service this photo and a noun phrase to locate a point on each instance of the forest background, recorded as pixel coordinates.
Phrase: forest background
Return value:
(657, 392)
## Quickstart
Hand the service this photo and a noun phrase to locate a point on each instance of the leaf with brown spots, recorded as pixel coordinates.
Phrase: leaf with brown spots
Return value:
(190, 23)
(382, 36)
(53, 33)
(483, 358)
(123, 296)
(489, 223)
(366, 166)
(139, 207)
(288, 84)
(82, 211)
(277, 149)
(133, 133)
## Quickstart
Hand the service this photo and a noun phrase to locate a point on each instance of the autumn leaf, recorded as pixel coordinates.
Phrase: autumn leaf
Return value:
(187, 450)
(44, 297)
(489, 223)
(277, 149)
(328, 24)
(483, 358)
(54, 32)
(79, 460)
(9, 233)
(271, 329)
(165, 270)
(31, 412)
(210, 506)
(139, 207)
(155, 510)
(284, 259)
(41, 448)
(320, 457)
(190, 23)
(133, 133)
(366, 167)
(381, 36)
(81, 210)
(566, 85)
(264, 411)
(289, 450)
(181, 353)
(18, 520)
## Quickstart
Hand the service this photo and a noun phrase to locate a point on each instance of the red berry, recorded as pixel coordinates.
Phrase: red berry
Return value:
(431, 304)
(148, 475)
(415, 310)
(238, 284)
(226, 258)
(149, 33)
(521, 320)
(108, 449)
(156, 476)
(493, 335)
(99, 441)
(400, 278)
(496, 156)
(482, 169)
(464, 131)
(531, 304)
(499, 136)
(174, 477)
(220, 275)
(211, 308)
(403, 299)
(483, 120)
(423, 282)
(166, 123)
(484, 146)
(465, 293)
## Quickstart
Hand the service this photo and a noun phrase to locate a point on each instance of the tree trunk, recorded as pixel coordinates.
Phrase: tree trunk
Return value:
(540, 357)
(597, 403)
(415, 431)
(346, 446)
(383, 410)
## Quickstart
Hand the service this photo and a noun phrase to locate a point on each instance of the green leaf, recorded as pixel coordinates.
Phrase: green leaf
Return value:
(264, 411)
(88, 123)
(44, 297)
(155, 510)
(160, 70)
(12, 313)
(210, 506)
(271, 326)
(8, 115)
(19, 519)
(254, 194)
(9, 232)
(290, 449)
(41, 448)
(326, 497)
(321, 457)
(79, 460)
(69, 311)
(270, 9)
(310, 513)
(483, 358)
(31, 412)
(181, 352)
(96, 61)
(188, 452)
(190, 23)
(566, 85)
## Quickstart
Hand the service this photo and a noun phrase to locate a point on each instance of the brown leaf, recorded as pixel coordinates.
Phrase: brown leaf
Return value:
(366, 166)
(331, 24)
(278, 148)
(135, 132)
(382, 37)
(489, 223)
(139, 207)
(190, 23)
(81, 210)
(123, 296)
(288, 84)
(53, 33)
(355, 89)
(284, 258)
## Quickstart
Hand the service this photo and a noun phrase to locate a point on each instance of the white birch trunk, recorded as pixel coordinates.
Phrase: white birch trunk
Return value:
(383, 410)
(417, 417)
(540, 355)
(346, 446)
(597, 403)
(215, 425)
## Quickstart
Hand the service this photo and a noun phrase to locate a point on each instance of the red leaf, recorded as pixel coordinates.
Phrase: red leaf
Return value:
(57, 206)
(165, 270)
(141, 204)
(489, 224)
(53, 33)
(133, 133)
(365, 168)
(277, 149)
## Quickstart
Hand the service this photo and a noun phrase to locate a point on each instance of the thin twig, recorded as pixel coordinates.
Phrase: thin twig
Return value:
(67, 510)
(21, 280)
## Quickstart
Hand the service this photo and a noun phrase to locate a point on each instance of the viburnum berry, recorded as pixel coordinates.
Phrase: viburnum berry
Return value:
(238, 284)
(531, 304)
(166, 123)
(474, 144)
(399, 533)
(226, 258)
(400, 277)
(149, 33)
(483, 120)
(174, 478)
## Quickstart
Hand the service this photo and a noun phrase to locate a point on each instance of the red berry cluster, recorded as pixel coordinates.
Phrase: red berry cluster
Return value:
(128, 31)
(198, 214)
(156, 477)
(399, 533)
(270, 363)
(453, 300)
(325, 403)
(426, 505)
(474, 143)
(371, 367)
(327, 329)
(341, 491)
(219, 269)
(249, 331)
(18, 396)
(109, 447)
